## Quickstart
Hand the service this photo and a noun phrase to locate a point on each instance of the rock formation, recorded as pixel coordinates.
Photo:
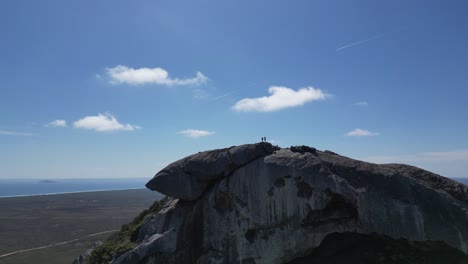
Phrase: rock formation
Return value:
(261, 204)
(81, 259)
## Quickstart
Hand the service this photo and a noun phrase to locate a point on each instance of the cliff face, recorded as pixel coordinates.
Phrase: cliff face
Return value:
(260, 204)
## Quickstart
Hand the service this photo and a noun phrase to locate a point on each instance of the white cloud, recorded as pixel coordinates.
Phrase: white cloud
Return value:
(103, 123)
(14, 133)
(200, 94)
(362, 103)
(360, 133)
(281, 97)
(123, 74)
(58, 123)
(195, 133)
(274, 141)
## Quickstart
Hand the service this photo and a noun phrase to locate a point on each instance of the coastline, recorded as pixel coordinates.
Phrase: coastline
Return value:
(49, 194)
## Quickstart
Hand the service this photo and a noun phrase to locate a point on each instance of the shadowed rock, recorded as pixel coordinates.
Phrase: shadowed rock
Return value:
(352, 248)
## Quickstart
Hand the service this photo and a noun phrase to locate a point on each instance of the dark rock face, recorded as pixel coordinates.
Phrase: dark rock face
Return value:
(352, 248)
(260, 204)
(302, 149)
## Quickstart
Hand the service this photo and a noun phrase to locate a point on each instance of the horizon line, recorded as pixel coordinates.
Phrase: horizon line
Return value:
(47, 194)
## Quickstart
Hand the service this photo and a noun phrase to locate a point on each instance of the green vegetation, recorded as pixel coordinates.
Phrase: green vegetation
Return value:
(124, 240)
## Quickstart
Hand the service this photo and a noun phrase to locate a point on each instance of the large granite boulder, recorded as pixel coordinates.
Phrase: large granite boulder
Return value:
(189, 177)
(261, 204)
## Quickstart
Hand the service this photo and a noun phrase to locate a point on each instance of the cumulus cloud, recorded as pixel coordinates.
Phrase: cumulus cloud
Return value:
(103, 123)
(361, 133)
(58, 123)
(280, 98)
(123, 74)
(195, 133)
(362, 103)
(14, 133)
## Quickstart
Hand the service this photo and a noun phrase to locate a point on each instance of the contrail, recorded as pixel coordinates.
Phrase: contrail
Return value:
(57, 244)
(359, 42)
(219, 97)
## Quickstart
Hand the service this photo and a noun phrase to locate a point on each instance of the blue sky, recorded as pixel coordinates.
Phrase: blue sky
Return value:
(121, 88)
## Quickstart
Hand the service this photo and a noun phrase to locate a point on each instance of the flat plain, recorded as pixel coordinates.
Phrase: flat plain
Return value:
(36, 221)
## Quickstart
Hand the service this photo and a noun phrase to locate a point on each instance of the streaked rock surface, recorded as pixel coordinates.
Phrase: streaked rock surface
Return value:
(260, 204)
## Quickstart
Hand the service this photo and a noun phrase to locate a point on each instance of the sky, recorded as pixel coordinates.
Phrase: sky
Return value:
(119, 89)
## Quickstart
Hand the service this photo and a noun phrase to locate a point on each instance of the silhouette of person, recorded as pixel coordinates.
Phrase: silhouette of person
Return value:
(262, 139)
(265, 139)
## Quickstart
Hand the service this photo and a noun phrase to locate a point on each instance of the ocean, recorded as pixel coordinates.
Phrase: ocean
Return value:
(462, 180)
(26, 187)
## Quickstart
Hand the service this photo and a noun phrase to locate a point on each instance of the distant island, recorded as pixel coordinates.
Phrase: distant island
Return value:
(47, 181)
